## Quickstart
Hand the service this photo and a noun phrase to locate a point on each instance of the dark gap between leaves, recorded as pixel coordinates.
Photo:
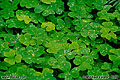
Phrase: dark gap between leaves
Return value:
(37, 69)
(72, 64)
(20, 8)
(104, 58)
(68, 41)
(11, 47)
(65, 5)
(94, 13)
(113, 44)
(16, 30)
(56, 73)
(112, 9)
(2, 38)
(23, 45)
(2, 58)
(113, 73)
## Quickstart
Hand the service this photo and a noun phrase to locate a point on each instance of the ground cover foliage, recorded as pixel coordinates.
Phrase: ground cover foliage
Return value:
(59, 39)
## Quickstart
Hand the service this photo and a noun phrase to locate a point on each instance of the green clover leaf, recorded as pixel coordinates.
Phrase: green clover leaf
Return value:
(64, 66)
(115, 56)
(74, 45)
(117, 14)
(107, 7)
(87, 29)
(96, 71)
(2, 24)
(65, 75)
(29, 3)
(99, 4)
(3, 48)
(108, 30)
(104, 49)
(14, 23)
(40, 8)
(84, 62)
(11, 53)
(39, 34)
(46, 10)
(32, 54)
(12, 58)
(7, 8)
(78, 10)
(23, 17)
(105, 66)
(49, 26)
(26, 39)
(54, 48)
(37, 18)
(9, 5)
(85, 65)
(3, 66)
(29, 73)
(75, 72)
(70, 54)
(52, 61)
(45, 70)
(6, 14)
(107, 35)
(103, 15)
(94, 54)
(21, 12)
(61, 24)
(77, 60)
(84, 50)
(48, 1)
(110, 26)
(48, 75)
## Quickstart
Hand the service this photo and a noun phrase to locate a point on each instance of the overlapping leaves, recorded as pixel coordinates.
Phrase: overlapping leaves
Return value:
(108, 30)
(12, 58)
(46, 10)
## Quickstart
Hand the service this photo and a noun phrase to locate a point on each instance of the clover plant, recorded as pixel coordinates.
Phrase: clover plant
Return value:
(60, 39)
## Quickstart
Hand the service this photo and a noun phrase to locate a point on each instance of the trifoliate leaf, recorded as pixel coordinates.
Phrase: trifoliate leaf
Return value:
(48, 1)
(14, 23)
(74, 45)
(85, 65)
(104, 49)
(18, 58)
(28, 3)
(45, 70)
(64, 66)
(6, 14)
(46, 10)
(26, 39)
(11, 61)
(105, 66)
(11, 53)
(37, 18)
(77, 60)
(49, 26)
(75, 72)
(23, 17)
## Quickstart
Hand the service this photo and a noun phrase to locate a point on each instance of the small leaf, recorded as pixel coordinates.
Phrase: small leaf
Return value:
(48, 1)
(105, 66)
(50, 26)
(23, 17)
(18, 58)
(11, 53)
(74, 45)
(11, 61)
(64, 66)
